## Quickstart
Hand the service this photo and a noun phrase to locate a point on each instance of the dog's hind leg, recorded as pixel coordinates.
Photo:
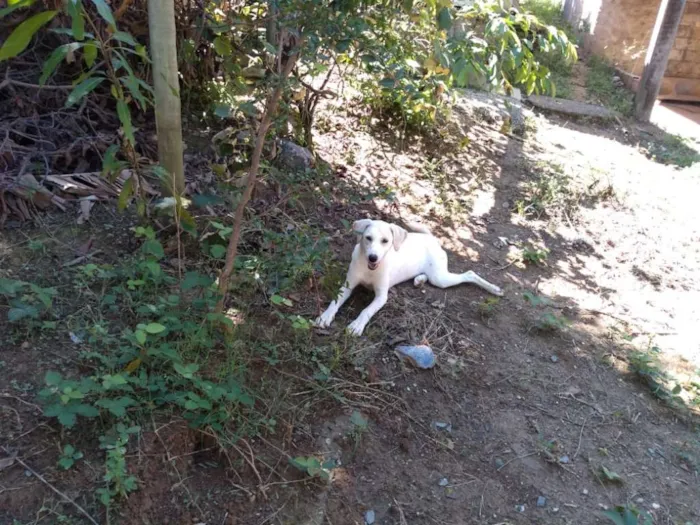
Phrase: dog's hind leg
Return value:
(440, 276)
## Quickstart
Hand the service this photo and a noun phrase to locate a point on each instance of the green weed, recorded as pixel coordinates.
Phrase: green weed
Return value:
(535, 255)
(673, 150)
(601, 86)
(68, 457)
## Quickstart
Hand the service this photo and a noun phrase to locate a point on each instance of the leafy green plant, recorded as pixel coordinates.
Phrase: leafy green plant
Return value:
(628, 515)
(68, 457)
(65, 398)
(118, 482)
(488, 307)
(313, 467)
(27, 301)
(360, 425)
(535, 255)
(550, 322)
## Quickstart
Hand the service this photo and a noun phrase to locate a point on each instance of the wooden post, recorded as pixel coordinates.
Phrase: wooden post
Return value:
(667, 21)
(161, 25)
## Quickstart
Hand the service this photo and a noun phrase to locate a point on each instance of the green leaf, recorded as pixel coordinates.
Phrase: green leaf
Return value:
(154, 248)
(86, 410)
(217, 251)
(677, 390)
(55, 58)
(279, 300)
(89, 54)
(82, 89)
(117, 406)
(444, 19)
(609, 475)
(615, 517)
(222, 46)
(22, 311)
(126, 38)
(132, 84)
(154, 328)
(125, 194)
(125, 119)
(53, 378)
(358, 420)
(140, 336)
(75, 10)
(187, 371)
(23, 33)
(105, 12)
(67, 419)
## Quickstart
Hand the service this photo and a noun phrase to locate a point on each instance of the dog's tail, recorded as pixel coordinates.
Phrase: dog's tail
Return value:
(418, 227)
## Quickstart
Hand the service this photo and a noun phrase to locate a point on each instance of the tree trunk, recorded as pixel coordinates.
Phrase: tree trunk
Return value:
(662, 39)
(161, 25)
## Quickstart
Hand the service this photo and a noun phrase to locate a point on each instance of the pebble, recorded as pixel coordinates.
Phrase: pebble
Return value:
(443, 482)
(499, 463)
(554, 359)
(520, 508)
(555, 510)
(439, 425)
(640, 500)
(564, 459)
(541, 501)
(655, 506)
(585, 492)
(369, 517)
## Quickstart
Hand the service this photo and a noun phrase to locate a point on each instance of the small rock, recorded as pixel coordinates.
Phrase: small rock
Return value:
(369, 517)
(640, 500)
(584, 492)
(541, 501)
(443, 482)
(655, 506)
(439, 425)
(565, 459)
(499, 463)
(420, 356)
(28, 473)
(294, 157)
(500, 243)
(520, 508)
(554, 359)
(555, 510)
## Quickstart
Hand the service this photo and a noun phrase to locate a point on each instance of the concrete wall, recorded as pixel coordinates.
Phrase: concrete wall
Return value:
(620, 30)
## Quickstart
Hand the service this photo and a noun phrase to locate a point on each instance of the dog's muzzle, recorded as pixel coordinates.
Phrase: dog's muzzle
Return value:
(373, 262)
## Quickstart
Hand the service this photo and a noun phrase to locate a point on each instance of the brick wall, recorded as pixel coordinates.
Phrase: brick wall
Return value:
(620, 30)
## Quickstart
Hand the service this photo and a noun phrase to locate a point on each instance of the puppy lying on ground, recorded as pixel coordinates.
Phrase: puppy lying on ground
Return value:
(388, 255)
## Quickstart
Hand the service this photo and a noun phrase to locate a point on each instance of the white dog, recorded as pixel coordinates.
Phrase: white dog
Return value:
(387, 255)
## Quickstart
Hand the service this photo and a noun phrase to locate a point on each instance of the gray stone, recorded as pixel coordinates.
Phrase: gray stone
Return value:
(541, 501)
(520, 508)
(564, 459)
(294, 157)
(369, 517)
(571, 107)
(443, 482)
(554, 359)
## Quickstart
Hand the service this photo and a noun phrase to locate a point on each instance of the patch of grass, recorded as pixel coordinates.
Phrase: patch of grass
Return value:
(488, 307)
(601, 86)
(548, 194)
(672, 150)
(535, 255)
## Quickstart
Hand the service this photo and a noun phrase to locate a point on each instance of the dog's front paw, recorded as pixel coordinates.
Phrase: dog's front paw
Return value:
(356, 327)
(324, 320)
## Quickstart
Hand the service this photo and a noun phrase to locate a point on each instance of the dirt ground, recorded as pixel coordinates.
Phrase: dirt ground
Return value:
(519, 421)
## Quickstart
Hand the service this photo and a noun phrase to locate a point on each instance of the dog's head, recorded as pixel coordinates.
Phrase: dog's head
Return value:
(377, 238)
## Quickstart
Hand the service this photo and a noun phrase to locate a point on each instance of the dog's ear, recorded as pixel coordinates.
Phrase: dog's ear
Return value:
(399, 236)
(360, 226)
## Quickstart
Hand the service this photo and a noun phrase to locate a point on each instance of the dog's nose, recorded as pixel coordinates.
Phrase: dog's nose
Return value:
(373, 258)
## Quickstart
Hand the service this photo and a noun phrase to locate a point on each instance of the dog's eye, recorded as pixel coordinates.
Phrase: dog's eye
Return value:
(384, 241)
(369, 238)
